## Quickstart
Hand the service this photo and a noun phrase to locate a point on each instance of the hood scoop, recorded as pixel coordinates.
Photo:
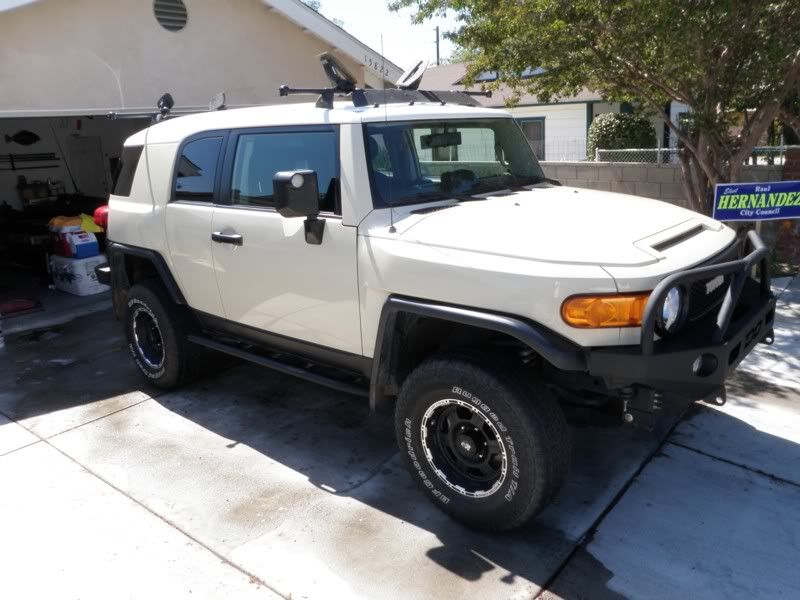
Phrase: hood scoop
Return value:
(678, 239)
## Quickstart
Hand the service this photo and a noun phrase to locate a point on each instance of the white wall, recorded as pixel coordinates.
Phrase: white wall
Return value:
(91, 56)
(564, 129)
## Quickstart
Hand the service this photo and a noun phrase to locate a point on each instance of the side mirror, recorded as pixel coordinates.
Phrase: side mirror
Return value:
(297, 195)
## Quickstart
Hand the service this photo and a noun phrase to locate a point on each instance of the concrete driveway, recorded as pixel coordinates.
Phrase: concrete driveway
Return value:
(252, 484)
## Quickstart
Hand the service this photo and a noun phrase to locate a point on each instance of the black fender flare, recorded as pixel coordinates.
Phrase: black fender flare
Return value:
(120, 283)
(554, 348)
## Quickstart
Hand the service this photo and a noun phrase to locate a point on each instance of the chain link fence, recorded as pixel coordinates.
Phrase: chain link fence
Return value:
(761, 155)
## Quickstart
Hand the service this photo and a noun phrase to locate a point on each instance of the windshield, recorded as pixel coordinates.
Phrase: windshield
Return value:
(417, 161)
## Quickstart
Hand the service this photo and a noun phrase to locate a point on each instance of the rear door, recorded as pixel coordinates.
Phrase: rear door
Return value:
(270, 279)
(188, 219)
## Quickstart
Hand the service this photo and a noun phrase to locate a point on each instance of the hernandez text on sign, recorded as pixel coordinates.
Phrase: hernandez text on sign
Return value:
(757, 201)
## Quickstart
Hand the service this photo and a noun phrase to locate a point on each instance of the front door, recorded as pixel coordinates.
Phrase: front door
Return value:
(269, 277)
(534, 132)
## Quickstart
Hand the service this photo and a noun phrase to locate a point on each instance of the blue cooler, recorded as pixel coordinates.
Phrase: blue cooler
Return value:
(83, 244)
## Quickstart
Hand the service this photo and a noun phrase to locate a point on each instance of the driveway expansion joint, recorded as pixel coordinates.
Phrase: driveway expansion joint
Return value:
(587, 537)
(21, 447)
(776, 478)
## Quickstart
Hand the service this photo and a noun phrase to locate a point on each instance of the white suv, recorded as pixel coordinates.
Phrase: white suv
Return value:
(406, 246)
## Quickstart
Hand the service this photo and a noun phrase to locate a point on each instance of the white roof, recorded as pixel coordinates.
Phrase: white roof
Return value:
(179, 128)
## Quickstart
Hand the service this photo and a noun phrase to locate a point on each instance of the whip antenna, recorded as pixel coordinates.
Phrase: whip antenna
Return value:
(392, 228)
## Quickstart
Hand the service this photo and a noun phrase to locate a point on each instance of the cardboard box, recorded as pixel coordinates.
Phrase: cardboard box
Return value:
(76, 275)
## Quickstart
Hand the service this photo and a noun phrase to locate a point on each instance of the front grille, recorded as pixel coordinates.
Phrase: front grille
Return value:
(707, 294)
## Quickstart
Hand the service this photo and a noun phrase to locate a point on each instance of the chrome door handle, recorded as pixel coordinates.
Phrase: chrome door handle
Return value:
(227, 238)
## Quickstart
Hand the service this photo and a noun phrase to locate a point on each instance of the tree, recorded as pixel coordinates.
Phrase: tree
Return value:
(459, 54)
(728, 60)
(315, 5)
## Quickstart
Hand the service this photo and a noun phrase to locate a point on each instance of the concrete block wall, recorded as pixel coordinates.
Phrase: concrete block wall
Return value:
(662, 182)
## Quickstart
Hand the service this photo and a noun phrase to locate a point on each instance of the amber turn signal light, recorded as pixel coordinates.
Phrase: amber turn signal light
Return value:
(608, 310)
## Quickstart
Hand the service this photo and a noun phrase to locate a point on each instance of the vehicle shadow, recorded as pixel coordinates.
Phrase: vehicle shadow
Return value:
(346, 451)
(349, 453)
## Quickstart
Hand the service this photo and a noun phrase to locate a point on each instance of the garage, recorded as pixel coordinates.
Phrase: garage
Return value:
(52, 167)
(71, 97)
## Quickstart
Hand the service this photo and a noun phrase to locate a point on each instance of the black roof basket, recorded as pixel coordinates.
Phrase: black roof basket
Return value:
(406, 92)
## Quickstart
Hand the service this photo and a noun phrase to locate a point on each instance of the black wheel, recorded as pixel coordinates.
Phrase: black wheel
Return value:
(487, 446)
(156, 330)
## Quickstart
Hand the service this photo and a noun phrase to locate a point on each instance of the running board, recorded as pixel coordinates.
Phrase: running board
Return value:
(277, 365)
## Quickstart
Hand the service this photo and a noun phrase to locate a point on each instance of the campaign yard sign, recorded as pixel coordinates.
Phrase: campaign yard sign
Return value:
(757, 201)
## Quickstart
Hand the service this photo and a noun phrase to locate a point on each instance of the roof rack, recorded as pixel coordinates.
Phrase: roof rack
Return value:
(344, 85)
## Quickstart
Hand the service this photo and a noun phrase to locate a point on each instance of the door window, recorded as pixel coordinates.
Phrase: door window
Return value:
(260, 155)
(196, 170)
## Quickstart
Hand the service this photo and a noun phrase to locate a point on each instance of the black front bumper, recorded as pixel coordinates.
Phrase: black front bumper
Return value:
(701, 357)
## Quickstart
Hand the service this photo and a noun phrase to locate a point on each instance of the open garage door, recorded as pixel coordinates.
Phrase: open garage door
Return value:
(49, 167)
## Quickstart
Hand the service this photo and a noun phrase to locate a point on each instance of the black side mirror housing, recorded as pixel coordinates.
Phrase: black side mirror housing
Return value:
(296, 193)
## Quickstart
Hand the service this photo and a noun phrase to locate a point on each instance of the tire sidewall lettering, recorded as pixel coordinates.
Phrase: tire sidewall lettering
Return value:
(412, 454)
(506, 438)
(513, 459)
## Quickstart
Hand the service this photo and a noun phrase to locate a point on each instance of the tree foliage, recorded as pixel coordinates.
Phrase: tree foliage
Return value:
(459, 54)
(620, 130)
(728, 60)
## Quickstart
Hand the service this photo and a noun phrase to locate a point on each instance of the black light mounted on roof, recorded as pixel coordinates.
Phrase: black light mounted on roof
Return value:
(344, 84)
(164, 104)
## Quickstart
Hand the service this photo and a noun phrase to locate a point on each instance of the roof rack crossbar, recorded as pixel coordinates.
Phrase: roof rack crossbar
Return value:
(325, 99)
(366, 97)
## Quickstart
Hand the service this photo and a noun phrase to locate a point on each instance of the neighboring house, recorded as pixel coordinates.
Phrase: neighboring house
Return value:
(557, 129)
(66, 65)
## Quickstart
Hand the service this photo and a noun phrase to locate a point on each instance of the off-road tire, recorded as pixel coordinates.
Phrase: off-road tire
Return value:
(182, 361)
(524, 414)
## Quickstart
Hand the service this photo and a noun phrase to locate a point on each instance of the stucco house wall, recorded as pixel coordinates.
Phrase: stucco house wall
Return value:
(91, 56)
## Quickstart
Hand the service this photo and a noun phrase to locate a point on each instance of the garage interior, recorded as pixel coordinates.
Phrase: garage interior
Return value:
(49, 167)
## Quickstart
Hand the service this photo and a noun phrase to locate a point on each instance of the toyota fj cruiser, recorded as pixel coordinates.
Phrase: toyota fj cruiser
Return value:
(405, 245)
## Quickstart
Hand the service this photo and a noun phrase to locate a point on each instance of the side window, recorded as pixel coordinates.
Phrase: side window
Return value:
(196, 170)
(123, 179)
(260, 155)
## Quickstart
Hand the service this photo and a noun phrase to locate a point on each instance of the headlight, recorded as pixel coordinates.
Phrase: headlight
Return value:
(672, 311)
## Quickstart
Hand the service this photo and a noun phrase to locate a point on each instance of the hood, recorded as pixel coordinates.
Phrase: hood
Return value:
(554, 224)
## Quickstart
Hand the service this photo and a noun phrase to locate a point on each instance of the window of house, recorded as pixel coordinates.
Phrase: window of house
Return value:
(196, 170)
(260, 155)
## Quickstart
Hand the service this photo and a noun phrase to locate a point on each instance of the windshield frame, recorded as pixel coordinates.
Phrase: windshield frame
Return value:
(438, 196)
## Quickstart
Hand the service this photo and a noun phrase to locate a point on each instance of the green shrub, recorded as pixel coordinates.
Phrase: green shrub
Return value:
(620, 130)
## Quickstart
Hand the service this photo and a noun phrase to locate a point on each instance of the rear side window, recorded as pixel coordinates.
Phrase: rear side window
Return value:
(127, 169)
(196, 170)
(259, 156)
